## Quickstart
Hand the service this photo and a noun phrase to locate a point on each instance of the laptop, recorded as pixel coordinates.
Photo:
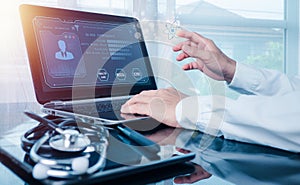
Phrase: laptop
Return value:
(85, 64)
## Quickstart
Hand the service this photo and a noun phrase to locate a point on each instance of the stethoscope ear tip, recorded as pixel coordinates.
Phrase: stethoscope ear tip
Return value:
(80, 165)
(39, 171)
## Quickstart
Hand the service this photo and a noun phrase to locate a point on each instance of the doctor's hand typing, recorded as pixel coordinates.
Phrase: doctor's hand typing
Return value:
(158, 104)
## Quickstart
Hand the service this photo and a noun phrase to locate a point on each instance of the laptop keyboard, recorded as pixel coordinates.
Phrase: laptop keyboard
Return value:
(93, 109)
(110, 105)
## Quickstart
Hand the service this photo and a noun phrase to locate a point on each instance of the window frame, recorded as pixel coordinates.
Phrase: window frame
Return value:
(291, 37)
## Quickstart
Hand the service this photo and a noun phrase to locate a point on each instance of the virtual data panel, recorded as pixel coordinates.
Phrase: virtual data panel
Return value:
(89, 53)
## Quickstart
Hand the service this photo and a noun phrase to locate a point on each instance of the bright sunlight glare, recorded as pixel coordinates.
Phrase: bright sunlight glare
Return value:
(11, 31)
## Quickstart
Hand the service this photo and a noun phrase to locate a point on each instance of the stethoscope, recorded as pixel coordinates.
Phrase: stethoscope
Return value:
(68, 140)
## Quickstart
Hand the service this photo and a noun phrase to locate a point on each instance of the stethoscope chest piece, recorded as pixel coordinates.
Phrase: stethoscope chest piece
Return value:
(70, 141)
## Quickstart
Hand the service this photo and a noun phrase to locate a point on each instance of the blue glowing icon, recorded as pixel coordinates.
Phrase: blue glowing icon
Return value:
(171, 29)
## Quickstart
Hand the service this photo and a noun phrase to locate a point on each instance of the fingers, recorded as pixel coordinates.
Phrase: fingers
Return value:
(143, 102)
(149, 92)
(136, 104)
(193, 65)
(158, 104)
(198, 175)
(193, 47)
(196, 52)
(192, 36)
(128, 116)
(143, 97)
(140, 104)
(191, 52)
(182, 56)
(193, 39)
(138, 108)
(179, 46)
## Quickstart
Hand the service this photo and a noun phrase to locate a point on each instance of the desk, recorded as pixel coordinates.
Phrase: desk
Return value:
(218, 161)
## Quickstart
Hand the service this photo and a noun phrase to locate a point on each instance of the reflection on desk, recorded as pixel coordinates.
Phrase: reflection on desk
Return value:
(218, 161)
(11, 114)
(232, 161)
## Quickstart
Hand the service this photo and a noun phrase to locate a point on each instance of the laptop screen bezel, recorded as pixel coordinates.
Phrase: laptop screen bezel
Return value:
(45, 93)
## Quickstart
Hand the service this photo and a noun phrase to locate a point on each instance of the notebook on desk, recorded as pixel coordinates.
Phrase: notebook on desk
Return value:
(85, 64)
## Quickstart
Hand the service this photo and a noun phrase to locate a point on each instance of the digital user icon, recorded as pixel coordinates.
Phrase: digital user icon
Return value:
(120, 74)
(103, 75)
(63, 54)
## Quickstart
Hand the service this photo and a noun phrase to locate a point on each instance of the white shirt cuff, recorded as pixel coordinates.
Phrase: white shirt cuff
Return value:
(246, 79)
(203, 113)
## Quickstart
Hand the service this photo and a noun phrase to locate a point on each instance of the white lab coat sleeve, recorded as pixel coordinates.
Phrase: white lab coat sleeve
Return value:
(266, 82)
(267, 112)
(266, 120)
(271, 121)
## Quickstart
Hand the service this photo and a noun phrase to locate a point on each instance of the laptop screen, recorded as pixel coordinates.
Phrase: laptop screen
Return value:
(76, 55)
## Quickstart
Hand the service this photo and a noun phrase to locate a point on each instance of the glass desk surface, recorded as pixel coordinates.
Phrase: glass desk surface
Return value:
(217, 161)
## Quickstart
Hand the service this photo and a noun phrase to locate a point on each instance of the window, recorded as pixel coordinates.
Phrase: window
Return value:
(119, 7)
(261, 33)
(252, 31)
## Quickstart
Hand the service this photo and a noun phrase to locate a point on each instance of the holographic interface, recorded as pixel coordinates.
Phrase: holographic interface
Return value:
(89, 53)
(171, 29)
